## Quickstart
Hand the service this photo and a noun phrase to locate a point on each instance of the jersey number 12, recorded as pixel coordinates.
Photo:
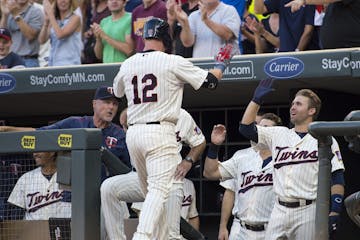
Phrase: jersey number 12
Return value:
(150, 82)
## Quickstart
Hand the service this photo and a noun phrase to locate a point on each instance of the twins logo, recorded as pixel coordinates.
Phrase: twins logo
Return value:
(284, 156)
(111, 142)
(37, 200)
(187, 200)
(250, 180)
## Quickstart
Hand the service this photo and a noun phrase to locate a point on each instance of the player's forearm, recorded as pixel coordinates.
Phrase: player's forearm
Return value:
(226, 207)
(250, 113)
(195, 152)
(195, 222)
(211, 168)
(16, 129)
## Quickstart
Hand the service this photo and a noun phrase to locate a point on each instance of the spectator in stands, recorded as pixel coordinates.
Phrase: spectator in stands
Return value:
(148, 9)
(208, 28)
(113, 39)
(188, 7)
(295, 30)
(8, 59)
(37, 192)
(265, 33)
(105, 106)
(99, 11)
(24, 22)
(240, 8)
(341, 25)
(63, 27)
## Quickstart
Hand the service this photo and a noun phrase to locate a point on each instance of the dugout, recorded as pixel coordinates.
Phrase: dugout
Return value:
(35, 97)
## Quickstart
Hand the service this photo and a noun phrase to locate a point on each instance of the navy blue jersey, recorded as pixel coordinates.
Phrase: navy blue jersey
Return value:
(113, 136)
(11, 60)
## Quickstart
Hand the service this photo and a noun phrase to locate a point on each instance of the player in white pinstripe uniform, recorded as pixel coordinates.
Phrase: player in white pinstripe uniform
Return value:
(252, 170)
(188, 208)
(38, 193)
(117, 190)
(153, 84)
(295, 154)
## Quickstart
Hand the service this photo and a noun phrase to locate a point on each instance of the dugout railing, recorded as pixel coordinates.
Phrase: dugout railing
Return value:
(323, 132)
(84, 176)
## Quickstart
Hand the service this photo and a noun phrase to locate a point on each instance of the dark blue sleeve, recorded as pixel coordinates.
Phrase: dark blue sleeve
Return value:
(272, 6)
(309, 14)
(71, 122)
(337, 177)
(249, 131)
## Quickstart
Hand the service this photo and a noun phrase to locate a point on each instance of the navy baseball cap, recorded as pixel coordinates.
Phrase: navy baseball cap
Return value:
(104, 92)
(5, 34)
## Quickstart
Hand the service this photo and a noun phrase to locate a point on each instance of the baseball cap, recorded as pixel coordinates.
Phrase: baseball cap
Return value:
(104, 92)
(5, 34)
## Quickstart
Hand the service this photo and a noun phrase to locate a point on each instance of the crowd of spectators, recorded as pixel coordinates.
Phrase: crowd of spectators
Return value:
(70, 32)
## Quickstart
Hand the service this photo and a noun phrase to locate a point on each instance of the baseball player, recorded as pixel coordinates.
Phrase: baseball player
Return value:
(38, 193)
(295, 160)
(117, 190)
(188, 207)
(229, 204)
(153, 84)
(105, 106)
(252, 169)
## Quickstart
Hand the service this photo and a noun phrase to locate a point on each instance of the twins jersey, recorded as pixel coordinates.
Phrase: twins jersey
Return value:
(254, 184)
(231, 184)
(188, 209)
(295, 161)
(153, 83)
(40, 197)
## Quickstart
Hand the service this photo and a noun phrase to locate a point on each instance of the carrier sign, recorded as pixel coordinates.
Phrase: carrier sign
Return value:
(284, 67)
(7, 82)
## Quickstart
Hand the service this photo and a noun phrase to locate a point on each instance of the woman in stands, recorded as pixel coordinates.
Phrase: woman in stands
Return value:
(63, 26)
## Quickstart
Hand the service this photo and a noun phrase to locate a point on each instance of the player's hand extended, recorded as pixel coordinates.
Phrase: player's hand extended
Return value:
(182, 169)
(218, 134)
(222, 59)
(264, 88)
(223, 234)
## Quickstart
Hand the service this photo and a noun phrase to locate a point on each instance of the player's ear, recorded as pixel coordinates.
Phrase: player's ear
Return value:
(312, 112)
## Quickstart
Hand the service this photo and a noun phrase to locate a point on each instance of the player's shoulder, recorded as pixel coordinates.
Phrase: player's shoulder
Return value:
(116, 130)
(31, 175)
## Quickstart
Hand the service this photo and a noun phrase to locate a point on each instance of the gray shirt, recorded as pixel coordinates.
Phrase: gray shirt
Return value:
(34, 17)
(207, 43)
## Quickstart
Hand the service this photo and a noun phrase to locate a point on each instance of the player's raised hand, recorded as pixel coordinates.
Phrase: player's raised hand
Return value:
(264, 88)
(222, 59)
(218, 134)
(296, 5)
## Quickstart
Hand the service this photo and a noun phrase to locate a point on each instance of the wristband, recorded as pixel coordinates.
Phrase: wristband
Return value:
(220, 65)
(213, 151)
(336, 203)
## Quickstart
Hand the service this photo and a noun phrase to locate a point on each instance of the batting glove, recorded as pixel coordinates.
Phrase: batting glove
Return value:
(264, 87)
(224, 56)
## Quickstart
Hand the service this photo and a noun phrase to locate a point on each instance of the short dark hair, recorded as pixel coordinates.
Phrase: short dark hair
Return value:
(314, 100)
(272, 117)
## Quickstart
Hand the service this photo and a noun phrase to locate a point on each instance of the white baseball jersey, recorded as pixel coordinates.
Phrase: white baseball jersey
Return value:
(254, 183)
(153, 83)
(40, 197)
(296, 162)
